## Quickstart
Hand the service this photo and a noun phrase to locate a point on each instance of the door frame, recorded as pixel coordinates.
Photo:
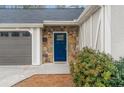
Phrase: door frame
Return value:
(66, 47)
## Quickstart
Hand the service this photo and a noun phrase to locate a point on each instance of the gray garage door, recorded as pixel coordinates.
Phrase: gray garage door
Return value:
(15, 48)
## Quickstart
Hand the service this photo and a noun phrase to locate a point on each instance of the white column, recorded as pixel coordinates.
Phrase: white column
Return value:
(36, 51)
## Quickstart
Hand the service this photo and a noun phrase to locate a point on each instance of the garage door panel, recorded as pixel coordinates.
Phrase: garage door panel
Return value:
(15, 50)
(4, 46)
(15, 60)
(7, 53)
(12, 41)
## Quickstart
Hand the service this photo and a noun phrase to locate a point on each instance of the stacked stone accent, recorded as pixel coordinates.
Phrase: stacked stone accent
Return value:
(48, 41)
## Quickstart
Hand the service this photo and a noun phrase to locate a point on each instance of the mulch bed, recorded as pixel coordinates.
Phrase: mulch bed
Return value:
(50, 80)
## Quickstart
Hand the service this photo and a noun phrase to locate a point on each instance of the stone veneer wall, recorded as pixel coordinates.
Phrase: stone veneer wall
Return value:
(48, 41)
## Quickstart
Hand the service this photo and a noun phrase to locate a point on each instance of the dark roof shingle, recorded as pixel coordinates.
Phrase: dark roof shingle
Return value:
(38, 15)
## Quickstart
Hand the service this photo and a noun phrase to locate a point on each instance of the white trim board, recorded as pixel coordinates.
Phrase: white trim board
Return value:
(108, 29)
(7, 25)
(50, 22)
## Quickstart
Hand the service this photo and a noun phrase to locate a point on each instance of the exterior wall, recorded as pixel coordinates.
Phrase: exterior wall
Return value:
(48, 41)
(117, 28)
(95, 32)
(90, 32)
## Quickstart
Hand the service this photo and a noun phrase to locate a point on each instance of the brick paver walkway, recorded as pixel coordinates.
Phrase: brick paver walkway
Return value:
(49, 80)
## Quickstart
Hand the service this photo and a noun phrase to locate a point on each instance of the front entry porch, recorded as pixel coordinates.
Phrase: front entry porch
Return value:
(59, 44)
(10, 75)
(43, 48)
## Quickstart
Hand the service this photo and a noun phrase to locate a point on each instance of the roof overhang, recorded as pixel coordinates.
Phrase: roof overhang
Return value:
(21, 25)
(87, 12)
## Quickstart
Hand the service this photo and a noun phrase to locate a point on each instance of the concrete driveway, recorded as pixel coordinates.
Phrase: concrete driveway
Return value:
(10, 75)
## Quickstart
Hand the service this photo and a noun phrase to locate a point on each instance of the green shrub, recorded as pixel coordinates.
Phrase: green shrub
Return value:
(120, 66)
(93, 69)
(119, 79)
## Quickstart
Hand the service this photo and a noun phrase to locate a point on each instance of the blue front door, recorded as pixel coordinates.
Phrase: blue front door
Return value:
(60, 47)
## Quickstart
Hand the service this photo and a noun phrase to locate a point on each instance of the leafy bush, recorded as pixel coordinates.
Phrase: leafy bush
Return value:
(93, 69)
(120, 66)
(119, 79)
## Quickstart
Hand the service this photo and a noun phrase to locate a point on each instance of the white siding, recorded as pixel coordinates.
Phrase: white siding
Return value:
(97, 30)
(117, 28)
(96, 16)
(88, 30)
